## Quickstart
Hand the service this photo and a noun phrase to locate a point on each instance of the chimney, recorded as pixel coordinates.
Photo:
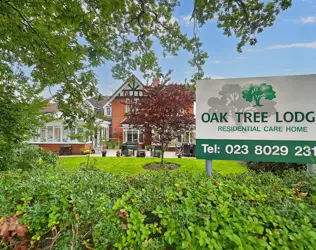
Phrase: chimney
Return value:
(155, 82)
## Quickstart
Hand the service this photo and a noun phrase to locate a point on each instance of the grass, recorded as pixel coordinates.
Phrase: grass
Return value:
(134, 166)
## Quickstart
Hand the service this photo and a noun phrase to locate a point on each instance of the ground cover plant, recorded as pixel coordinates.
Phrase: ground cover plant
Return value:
(134, 166)
(92, 209)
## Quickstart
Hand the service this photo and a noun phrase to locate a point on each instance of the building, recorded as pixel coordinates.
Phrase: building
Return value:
(54, 135)
(117, 107)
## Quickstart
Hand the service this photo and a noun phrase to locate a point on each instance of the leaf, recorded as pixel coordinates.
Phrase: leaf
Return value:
(184, 245)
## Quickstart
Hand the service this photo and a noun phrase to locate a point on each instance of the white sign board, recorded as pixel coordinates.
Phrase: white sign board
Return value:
(257, 119)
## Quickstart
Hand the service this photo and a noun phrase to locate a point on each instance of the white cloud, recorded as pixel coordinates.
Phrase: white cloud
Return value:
(216, 61)
(187, 20)
(311, 45)
(237, 59)
(217, 77)
(309, 19)
(308, 45)
(253, 50)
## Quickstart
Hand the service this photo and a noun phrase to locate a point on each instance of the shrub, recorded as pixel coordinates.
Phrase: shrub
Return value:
(275, 167)
(27, 157)
(85, 209)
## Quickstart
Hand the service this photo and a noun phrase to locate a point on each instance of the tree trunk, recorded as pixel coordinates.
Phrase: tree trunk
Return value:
(258, 102)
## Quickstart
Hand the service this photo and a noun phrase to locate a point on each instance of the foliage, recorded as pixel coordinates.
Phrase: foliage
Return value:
(113, 144)
(19, 116)
(275, 167)
(27, 157)
(90, 209)
(166, 111)
(62, 41)
(256, 92)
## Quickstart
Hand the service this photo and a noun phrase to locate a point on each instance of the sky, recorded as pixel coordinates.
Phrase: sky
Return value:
(286, 48)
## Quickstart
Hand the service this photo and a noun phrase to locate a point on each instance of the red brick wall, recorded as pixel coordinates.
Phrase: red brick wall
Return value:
(118, 115)
(76, 148)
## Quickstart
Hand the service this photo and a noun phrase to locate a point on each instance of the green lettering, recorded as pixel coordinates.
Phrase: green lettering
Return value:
(256, 116)
(247, 116)
(264, 116)
(288, 117)
(310, 119)
(277, 117)
(223, 117)
(208, 117)
(238, 116)
(214, 117)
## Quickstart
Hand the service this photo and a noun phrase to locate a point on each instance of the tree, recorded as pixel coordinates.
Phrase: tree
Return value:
(59, 43)
(231, 101)
(257, 92)
(19, 116)
(165, 111)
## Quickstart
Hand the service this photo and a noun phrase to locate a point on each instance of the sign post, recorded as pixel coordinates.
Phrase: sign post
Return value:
(270, 119)
(209, 167)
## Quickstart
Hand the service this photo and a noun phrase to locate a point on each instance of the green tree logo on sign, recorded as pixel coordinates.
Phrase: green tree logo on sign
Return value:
(257, 92)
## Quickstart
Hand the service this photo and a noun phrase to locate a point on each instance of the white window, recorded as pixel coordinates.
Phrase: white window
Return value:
(43, 135)
(108, 111)
(57, 134)
(128, 102)
(133, 135)
(50, 131)
(65, 135)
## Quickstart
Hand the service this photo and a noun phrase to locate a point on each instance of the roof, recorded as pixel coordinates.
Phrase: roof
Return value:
(50, 108)
(120, 89)
(99, 103)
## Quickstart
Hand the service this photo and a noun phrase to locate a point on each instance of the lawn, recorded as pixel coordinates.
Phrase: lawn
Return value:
(135, 165)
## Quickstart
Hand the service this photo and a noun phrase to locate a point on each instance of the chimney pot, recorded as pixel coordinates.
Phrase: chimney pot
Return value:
(155, 82)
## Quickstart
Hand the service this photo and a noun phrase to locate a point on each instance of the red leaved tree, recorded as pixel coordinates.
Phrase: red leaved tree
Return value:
(166, 111)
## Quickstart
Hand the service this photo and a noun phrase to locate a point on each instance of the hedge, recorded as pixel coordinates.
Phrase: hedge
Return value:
(90, 209)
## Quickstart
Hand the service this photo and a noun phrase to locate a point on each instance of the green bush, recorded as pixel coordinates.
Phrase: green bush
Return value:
(27, 157)
(275, 167)
(90, 209)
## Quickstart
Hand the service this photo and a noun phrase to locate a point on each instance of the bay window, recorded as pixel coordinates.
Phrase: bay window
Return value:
(57, 134)
(66, 135)
(50, 137)
(43, 135)
(133, 135)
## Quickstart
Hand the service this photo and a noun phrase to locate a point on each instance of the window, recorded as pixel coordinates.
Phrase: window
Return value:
(50, 131)
(128, 101)
(141, 136)
(65, 135)
(43, 135)
(133, 135)
(57, 134)
(108, 111)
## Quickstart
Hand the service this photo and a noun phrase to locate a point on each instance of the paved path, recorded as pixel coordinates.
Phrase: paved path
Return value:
(112, 153)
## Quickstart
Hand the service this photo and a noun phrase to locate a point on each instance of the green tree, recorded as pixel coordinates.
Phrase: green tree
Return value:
(257, 92)
(19, 115)
(59, 43)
